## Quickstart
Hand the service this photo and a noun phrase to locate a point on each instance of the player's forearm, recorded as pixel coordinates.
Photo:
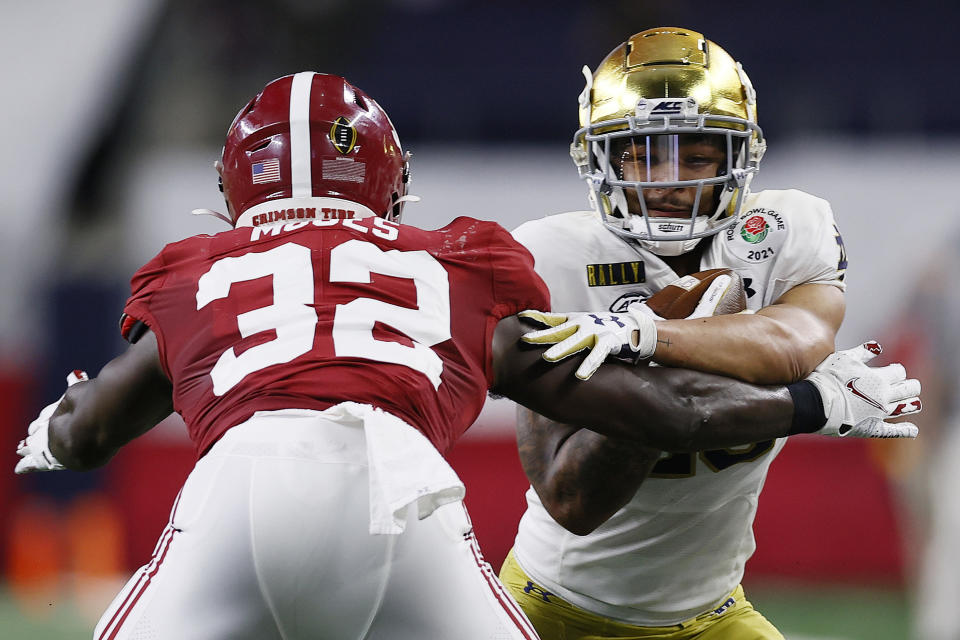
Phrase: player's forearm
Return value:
(130, 395)
(670, 409)
(749, 347)
(75, 437)
(679, 410)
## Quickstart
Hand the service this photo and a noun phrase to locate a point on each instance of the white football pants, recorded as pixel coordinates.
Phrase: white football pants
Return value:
(269, 539)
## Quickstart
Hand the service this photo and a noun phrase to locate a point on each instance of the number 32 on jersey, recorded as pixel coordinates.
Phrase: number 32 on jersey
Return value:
(293, 317)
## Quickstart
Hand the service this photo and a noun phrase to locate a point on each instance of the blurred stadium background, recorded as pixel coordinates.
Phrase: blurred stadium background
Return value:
(114, 111)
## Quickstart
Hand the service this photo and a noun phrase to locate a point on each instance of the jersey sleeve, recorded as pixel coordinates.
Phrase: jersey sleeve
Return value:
(143, 285)
(535, 236)
(815, 253)
(563, 245)
(516, 284)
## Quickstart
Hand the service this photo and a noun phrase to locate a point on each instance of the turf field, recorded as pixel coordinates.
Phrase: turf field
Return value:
(801, 613)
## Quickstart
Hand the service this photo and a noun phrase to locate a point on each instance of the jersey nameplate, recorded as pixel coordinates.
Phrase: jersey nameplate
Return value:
(614, 273)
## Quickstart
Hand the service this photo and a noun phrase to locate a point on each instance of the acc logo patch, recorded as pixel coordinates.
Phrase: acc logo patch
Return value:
(620, 304)
(758, 236)
(343, 135)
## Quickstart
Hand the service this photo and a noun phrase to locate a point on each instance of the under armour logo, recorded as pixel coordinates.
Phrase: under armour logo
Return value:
(532, 589)
(726, 605)
(614, 319)
(873, 347)
(747, 288)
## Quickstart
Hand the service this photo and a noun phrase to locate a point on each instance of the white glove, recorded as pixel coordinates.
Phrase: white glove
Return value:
(857, 398)
(35, 449)
(602, 333)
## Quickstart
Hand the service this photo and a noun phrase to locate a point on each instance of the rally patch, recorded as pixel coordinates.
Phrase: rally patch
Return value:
(758, 236)
(615, 273)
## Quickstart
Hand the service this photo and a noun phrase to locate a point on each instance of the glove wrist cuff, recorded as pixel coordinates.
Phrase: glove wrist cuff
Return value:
(647, 332)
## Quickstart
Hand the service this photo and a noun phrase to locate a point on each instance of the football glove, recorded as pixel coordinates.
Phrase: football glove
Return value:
(631, 335)
(34, 450)
(609, 334)
(857, 398)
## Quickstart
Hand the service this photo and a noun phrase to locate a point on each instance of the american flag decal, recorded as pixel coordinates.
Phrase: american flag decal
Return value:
(266, 171)
(345, 169)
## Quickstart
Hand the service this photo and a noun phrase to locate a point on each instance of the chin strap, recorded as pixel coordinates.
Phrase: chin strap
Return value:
(211, 212)
(396, 218)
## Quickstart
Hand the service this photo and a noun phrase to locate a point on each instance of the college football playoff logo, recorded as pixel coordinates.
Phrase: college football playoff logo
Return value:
(343, 135)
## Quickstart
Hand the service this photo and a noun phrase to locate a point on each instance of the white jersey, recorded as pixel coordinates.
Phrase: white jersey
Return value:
(679, 547)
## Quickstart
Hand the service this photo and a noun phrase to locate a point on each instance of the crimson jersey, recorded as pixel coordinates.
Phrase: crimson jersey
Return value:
(309, 314)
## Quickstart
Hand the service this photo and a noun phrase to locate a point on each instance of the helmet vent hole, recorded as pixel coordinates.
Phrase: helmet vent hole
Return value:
(261, 146)
(360, 101)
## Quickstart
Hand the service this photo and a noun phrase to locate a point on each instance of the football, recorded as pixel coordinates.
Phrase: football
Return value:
(678, 299)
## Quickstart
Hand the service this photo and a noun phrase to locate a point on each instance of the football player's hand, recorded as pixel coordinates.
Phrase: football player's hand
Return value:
(34, 450)
(858, 398)
(631, 335)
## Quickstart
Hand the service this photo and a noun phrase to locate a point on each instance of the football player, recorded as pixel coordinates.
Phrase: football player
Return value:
(668, 145)
(323, 356)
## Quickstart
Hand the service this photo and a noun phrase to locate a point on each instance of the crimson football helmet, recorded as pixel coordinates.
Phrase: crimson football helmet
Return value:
(312, 140)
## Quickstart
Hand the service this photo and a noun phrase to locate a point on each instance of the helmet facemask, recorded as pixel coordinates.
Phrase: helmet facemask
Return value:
(668, 142)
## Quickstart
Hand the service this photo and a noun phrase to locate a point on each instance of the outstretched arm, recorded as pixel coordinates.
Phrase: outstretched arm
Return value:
(129, 396)
(664, 408)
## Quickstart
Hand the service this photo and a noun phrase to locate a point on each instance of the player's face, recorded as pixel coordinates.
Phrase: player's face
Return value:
(671, 158)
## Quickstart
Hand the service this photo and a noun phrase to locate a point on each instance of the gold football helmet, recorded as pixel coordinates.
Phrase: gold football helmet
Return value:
(668, 139)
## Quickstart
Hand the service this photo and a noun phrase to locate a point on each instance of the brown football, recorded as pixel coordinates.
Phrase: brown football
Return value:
(680, 298)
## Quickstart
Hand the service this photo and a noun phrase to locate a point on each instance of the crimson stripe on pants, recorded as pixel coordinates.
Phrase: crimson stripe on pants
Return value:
(147, 573)
(506, 601)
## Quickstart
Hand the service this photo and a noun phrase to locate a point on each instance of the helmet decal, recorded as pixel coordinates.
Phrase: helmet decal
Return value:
(346, 169)
(266, 171)
(343, 135)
